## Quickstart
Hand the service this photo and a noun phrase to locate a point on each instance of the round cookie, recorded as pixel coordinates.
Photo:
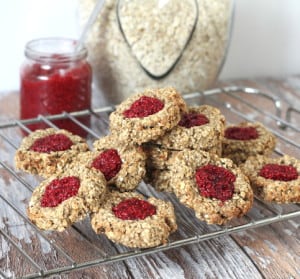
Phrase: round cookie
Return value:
(65, 198)
(147, 231)
(247, 139)
(274, 179)
(46, 152)
(201, 127)
(122, 165)
(225, 192)
(147, 115)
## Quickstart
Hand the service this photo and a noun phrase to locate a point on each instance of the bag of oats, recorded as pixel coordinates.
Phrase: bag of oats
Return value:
(137, 44)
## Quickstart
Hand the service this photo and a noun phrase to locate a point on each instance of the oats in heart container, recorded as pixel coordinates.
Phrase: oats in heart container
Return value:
(140, 44)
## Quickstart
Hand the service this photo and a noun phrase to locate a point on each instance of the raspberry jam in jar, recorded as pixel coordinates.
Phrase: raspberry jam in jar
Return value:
(55, 79)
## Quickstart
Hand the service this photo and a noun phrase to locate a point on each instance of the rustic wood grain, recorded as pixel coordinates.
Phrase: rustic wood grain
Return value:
(268, 252)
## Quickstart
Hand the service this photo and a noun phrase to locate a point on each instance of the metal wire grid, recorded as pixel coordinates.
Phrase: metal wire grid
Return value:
(233, 104)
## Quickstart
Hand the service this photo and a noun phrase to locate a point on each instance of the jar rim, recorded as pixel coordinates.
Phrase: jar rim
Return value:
(56, 49)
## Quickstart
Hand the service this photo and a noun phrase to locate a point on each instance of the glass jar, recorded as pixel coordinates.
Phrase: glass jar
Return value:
(136, 44)
(55, 79)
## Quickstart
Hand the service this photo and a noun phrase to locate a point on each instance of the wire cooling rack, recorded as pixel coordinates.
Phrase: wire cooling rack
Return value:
(43, 253)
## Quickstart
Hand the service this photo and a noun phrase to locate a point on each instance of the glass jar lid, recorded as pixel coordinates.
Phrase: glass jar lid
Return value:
(55, 49)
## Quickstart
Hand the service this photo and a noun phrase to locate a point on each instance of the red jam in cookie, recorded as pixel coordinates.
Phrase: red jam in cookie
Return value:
(241, 133)
(193, 119)
(215, 182)
(278, 172)
(143, 107)
(134, 209)
(55, 142)
(108, 162)
(60, 190)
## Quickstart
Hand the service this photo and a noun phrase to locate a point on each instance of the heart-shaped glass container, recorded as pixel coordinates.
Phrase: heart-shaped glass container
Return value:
(137, 44)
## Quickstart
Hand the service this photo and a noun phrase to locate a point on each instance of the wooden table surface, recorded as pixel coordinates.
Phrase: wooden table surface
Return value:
(271, 251)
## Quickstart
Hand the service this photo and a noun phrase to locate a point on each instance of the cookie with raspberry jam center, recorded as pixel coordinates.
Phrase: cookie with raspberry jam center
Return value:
(279, 172)
(134, 209)
(215, 182)
(144, 107)
(52, 143)
(108, 162)
(193, 119)
(241, 133)
(60, 190)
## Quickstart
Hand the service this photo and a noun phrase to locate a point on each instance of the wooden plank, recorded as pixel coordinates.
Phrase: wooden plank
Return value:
(274, 249)
(217, 258)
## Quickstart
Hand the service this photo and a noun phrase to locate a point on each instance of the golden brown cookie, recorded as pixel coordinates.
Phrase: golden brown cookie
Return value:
(122, 165)
(274, 179)
(147, 115)
(201, 127)
(122, 220)
(247, 139)
(213, 187)
(46, 152)
(65, 198)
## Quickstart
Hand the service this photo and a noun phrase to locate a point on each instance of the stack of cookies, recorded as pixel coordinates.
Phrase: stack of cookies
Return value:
(199, 128)
(79, 183)
(100, 182)
(154, 136)
(177, 151)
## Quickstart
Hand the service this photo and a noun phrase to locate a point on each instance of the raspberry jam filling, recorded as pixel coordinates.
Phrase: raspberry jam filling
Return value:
(241, 133)
(215, 182)
(60, 190)
(55, 142)
(108, 162)
(143, 107)
(134, 209)
(279, 172)
(193, 119)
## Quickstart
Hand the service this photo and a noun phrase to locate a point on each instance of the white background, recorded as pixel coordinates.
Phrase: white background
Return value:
(265, 39)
